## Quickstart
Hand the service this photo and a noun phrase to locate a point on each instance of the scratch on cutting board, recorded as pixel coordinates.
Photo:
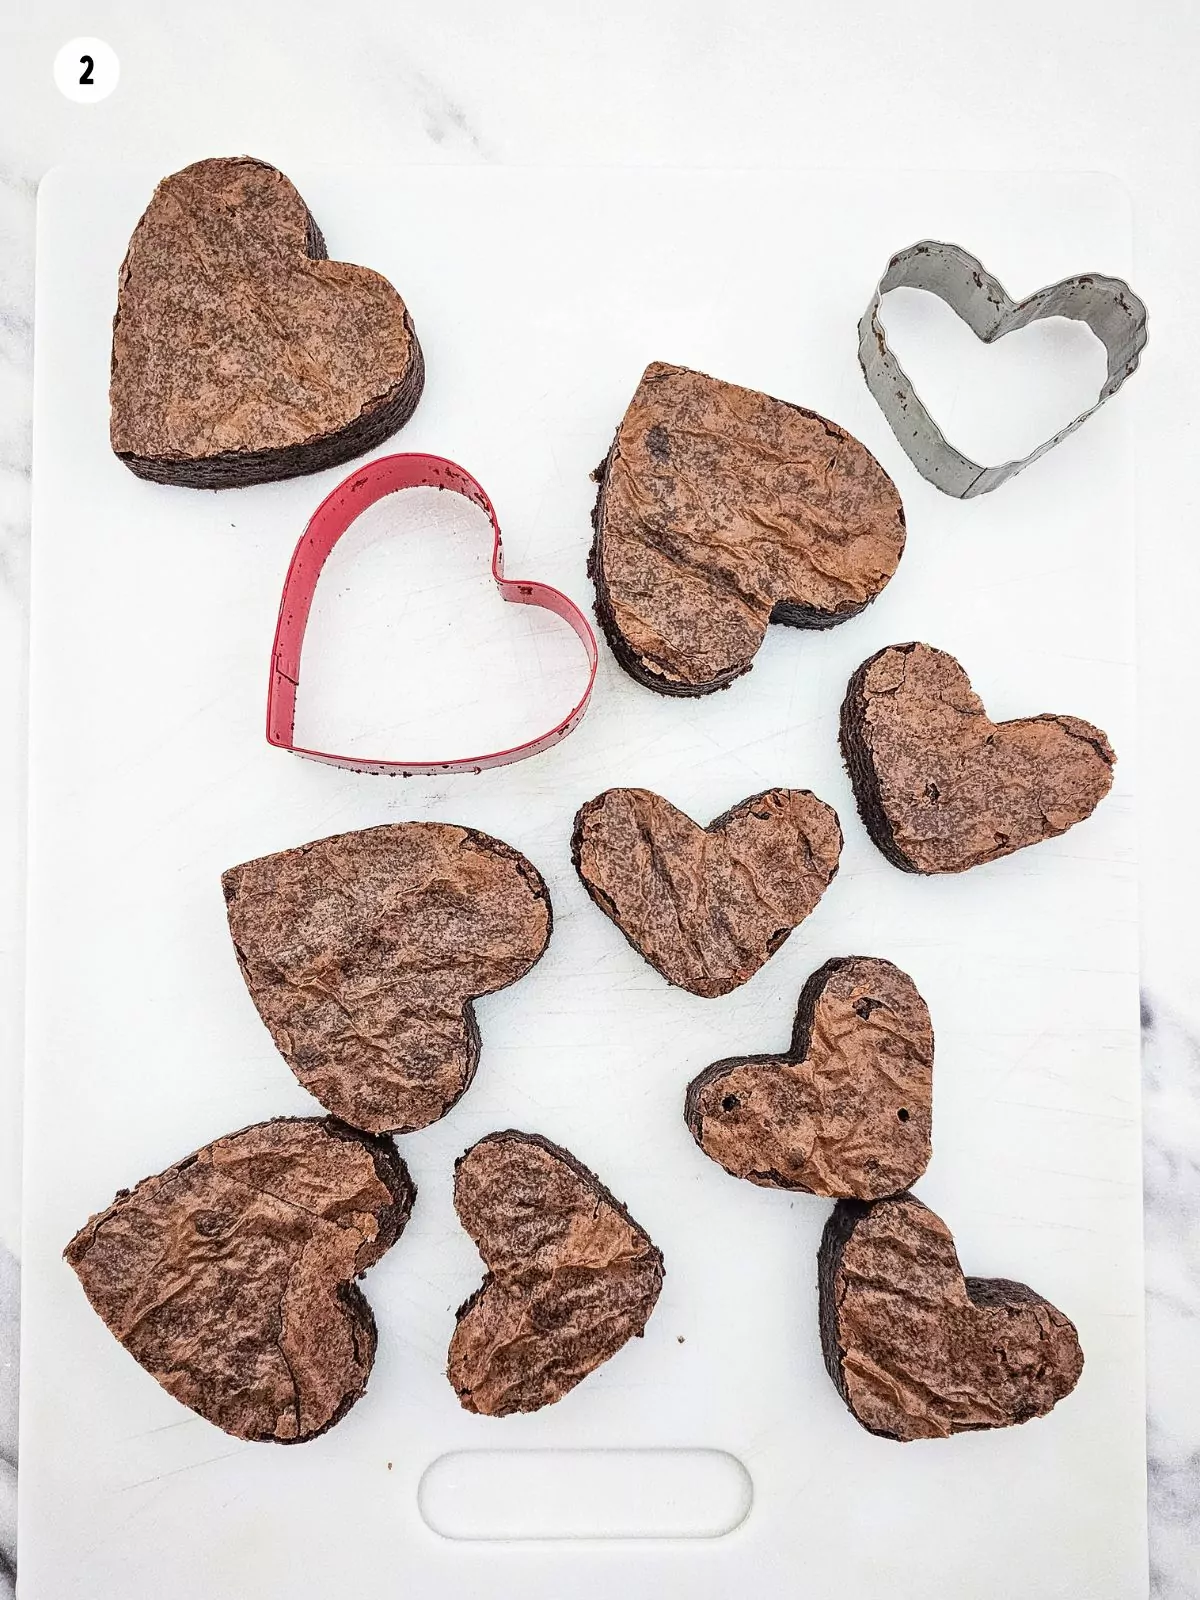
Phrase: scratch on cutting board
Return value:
(191, 1466)
(148, 1433)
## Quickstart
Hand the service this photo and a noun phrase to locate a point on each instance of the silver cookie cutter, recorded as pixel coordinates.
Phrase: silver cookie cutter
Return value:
(1108, 306)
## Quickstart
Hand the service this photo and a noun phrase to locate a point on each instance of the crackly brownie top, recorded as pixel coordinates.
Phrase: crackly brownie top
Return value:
(571, 1277)
(706, 906)
(917, 1350)
(718, 506)
(364, 951)
(230, 1276)
(940, 786)
(233, 332)
(846, 1112)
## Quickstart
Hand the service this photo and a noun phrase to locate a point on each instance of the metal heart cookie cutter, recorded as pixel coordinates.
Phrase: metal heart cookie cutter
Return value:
(1108, 306)
(326, 526)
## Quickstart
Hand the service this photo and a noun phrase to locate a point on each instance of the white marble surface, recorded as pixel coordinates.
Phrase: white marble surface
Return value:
(647, 82)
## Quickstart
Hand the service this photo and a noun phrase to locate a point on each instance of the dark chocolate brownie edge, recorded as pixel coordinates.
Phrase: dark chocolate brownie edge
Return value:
(366, 1342)
(839, 1230)
(1002, 1291)
(526, 869)
(810, 617)
(537, 885)
(857, 759)
(577, 835)
(806, 1006)
(392, 1171)
(474, 1052)
(315, 240)
(240, 469)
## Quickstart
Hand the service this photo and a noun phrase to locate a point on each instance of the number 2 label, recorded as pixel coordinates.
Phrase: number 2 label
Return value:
(86, 70)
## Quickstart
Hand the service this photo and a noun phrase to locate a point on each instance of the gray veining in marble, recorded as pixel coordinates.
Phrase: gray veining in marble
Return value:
(1171, 1108)
(10, 1305)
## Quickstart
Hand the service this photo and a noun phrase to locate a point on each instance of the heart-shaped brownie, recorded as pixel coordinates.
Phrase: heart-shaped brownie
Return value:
(230, 1276)
(721, 510)
(706, 906)
(940, 786)
(363, 954)
(916, 1350)
(571, 1277)
(240, 353)
(846, 1111)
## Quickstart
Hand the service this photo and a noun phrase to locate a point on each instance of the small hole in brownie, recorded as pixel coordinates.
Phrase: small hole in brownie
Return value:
(864, 1006)
(932, 792)
(902, 1114)
(1001, 839)
(731, 1103)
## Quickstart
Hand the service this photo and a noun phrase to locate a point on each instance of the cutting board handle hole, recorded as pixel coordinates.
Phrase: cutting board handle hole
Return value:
(585, 1494)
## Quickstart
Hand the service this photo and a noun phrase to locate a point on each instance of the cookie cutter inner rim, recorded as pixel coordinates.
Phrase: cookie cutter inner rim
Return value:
(1107, 306)
(341, 507)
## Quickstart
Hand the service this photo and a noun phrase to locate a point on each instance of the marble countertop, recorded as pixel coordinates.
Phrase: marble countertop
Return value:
(654, 82)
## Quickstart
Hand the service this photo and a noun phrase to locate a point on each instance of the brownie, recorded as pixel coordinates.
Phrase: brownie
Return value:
(916, 1350)
(363, 953)
(846, 1110)
(240, 353)
(939, 785)
(721, 510)
(230, 1276)
(706, 907)
(570, 1275)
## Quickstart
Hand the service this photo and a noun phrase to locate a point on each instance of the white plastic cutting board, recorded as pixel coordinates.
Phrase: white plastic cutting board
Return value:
(539, 297)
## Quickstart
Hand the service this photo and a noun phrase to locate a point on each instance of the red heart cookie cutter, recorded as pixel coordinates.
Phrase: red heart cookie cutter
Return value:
(326, 526)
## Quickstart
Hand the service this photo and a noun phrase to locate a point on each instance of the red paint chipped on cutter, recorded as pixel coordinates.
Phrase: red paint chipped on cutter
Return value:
(327, 525)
